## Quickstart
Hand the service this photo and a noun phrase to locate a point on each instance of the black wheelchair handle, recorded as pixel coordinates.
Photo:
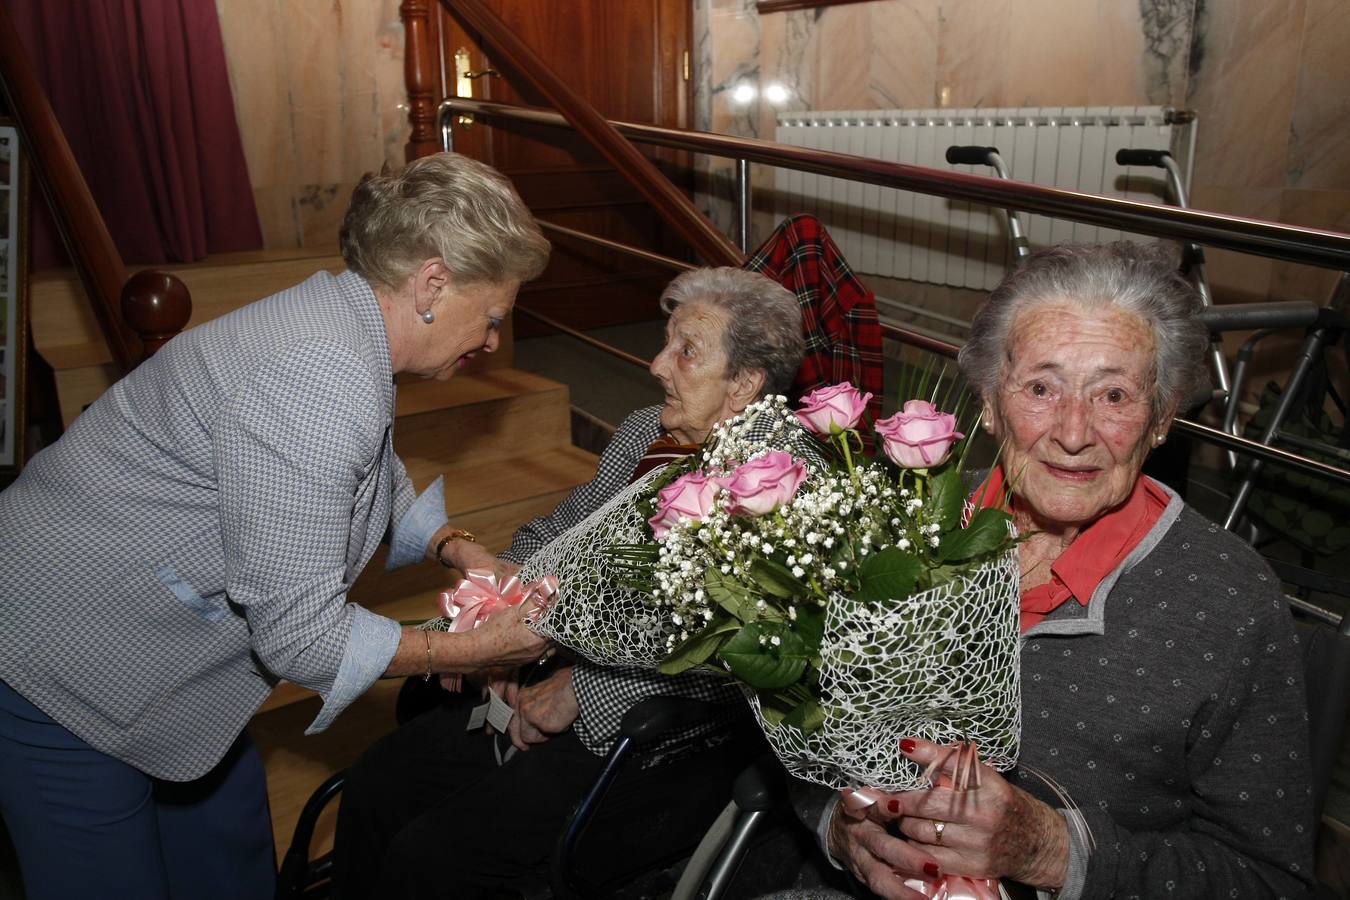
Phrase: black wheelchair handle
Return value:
(969, 155)
(1135, 157)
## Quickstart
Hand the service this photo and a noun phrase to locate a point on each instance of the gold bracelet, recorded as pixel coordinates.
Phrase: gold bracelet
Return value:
(427, 676)
(456, 534)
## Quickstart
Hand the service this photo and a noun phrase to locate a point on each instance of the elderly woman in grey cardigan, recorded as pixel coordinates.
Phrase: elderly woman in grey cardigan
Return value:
(1162, 686)
(190, 542)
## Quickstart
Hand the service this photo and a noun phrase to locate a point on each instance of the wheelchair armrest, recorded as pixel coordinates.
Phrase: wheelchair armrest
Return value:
(296, 873)
(761, 786)
(652, 717)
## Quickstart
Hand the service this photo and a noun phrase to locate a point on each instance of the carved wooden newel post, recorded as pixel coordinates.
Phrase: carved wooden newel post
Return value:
(156, 305)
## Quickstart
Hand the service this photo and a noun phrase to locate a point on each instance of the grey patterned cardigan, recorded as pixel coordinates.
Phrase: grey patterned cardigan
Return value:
(191, 539)
(1172, 711)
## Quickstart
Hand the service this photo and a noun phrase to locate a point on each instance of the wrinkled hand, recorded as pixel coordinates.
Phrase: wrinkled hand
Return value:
(504, 642)
(544, 709)
(467, 555)
(878, 859)
(993, 830)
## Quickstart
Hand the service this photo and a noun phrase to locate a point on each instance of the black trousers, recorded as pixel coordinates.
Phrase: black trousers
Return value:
(428, 812)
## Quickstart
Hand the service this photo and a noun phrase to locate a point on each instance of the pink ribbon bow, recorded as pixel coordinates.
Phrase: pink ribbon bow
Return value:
(479, 597)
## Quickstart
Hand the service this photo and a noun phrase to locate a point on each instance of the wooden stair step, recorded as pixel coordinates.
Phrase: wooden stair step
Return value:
(485, 483)
(417, 395)
(512, 425)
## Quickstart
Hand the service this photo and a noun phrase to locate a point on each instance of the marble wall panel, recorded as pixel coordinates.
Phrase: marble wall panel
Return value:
(1244, 67)
(902, 51)
(972, 54)
(318, 90)
(1320, 132)
(255, 48)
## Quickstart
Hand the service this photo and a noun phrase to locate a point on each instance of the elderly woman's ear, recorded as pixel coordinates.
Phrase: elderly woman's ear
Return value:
(431, 277)
(744, 389)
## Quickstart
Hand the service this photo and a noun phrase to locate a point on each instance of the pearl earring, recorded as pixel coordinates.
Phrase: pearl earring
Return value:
(1159, 438)
(428, 317)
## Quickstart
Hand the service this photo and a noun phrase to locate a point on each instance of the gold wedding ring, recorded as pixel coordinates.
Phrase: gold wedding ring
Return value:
(938, 828)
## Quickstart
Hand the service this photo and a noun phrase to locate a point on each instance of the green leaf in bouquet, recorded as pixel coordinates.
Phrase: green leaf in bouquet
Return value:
(731, 594)
(765, 666)
(777, 579)
(699, 647)
(810, 626)
(987, 531)
(889, 574)
(807, 716)
(947, 496)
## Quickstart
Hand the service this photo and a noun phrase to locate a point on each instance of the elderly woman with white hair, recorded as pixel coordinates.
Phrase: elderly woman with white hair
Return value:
(732, 337)
(1161, 680)
(190, 542)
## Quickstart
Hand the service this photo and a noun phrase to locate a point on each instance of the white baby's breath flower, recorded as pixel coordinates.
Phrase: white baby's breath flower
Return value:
(798, 571)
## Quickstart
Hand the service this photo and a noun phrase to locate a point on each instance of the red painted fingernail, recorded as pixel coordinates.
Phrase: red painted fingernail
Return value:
(931, 870)
(907, 745)
(893, 805)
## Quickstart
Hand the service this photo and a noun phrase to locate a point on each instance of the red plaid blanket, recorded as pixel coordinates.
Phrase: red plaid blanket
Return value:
(839, 314)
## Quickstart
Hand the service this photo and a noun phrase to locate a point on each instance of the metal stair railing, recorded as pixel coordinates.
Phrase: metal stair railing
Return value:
(1312, 246)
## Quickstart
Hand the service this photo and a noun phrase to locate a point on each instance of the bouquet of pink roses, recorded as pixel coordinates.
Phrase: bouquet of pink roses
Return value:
(856, 600)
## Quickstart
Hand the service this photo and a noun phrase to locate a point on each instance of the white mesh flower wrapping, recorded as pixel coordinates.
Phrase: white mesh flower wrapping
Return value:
(940, 665)
(607, 623)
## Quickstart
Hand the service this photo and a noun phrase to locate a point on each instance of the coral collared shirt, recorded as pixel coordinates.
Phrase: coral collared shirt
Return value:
(1097, 550)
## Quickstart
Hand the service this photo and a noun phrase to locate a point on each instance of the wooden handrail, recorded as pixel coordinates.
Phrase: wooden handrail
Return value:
(83, 232)
(156, 303)
(677, 209)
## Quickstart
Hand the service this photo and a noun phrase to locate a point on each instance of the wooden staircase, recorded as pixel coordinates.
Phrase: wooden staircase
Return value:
(501, 437)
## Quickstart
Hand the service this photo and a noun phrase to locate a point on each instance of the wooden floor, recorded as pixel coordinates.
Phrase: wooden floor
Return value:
(297, 764)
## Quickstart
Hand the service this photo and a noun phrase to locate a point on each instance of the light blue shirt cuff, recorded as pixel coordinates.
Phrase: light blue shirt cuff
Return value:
(408, 543)
(371, 644)
(1075, 876)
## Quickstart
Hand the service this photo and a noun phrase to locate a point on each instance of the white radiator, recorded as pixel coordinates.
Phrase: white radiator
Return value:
(900, 234)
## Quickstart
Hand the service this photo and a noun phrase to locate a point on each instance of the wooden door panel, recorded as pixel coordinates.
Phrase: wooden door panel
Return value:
(626, 58)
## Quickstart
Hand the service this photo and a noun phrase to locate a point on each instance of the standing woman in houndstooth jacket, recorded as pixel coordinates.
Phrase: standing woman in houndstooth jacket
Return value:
(191, 539)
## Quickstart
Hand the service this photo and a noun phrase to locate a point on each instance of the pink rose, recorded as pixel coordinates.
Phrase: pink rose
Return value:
(918, 437)
(830, 410)
(690, 496)
(762, 485)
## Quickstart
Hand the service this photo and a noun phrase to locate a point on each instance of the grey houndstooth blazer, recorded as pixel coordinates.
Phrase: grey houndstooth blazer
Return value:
(192, 537)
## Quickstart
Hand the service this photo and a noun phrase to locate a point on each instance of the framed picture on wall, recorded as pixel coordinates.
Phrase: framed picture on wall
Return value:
(13, 298)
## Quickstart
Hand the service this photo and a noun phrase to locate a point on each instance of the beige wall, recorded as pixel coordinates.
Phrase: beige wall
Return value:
(318, 90)
(1270, 80)
(319, 94)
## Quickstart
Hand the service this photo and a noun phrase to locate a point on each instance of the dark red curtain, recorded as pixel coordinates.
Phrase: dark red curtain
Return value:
(141, 89)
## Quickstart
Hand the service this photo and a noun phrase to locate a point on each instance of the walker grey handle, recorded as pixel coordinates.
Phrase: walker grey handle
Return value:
(969, 155)
(1127, 156)
(1253, 316)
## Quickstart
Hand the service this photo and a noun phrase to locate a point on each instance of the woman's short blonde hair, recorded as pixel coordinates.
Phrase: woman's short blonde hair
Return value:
(447, 206)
